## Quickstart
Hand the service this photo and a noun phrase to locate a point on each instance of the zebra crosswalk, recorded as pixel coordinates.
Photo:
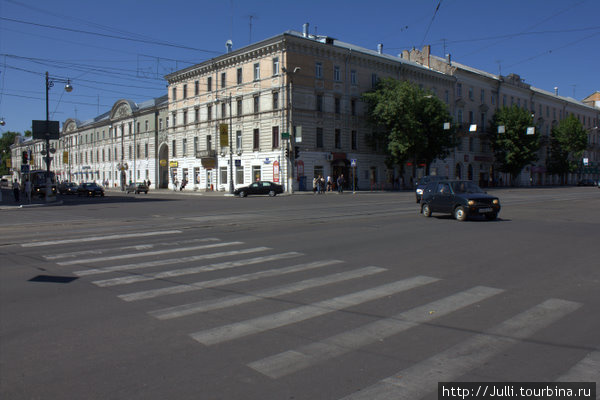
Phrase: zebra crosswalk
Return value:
(146, 271)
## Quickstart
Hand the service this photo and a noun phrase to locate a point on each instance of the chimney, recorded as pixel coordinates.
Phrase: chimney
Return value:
(449, 59)
(556, 90)
(305, 30)
(380, 48)
(229, 45)
(426, 54)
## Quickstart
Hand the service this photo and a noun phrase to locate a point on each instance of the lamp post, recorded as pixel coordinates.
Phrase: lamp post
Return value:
(68, 89)
(231, 190)
(290, 124)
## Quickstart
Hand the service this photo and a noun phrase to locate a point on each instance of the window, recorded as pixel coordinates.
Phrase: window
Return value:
(138, 151)
(459, 116)
(336, 73)
(338, 105)
(354, 140)
(138, 130)
(238, 140)
(447, 96)
(320, 137)
(145, 127)
(482, 97)
(160, 124)
(185, 119)
(223, 173)
(320, 102)
(256, 100)
(223, 80)
(239, 76)
(275, 137)
(196, 115)
(223, 110)
(239, 107)
(276, 66)
(184, 147)
(208, 142)
(459, 90)
(471, 93)
(239, 175)
(374, 80)
(353, 77)
(353, 107)
(256, 173)
(338, 139)
(256, 140)
(145, 150)
(471, 117)
(174, 118)
(318, 70)
(275, 100)
(174, 94)
(185, 91)
(256, 71)
(209, 113)
(482, 123)
(173, 149)
(196, 88)
(209, 83)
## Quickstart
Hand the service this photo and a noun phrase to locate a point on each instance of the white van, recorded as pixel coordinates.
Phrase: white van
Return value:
(6, 182)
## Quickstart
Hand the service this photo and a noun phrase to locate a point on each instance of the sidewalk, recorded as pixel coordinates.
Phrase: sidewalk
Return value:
(8, 201)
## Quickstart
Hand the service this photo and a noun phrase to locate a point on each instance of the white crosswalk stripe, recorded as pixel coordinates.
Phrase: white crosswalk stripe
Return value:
(421, 379)
(586, 370)
(193, 270)
(148, 294)
(294, 360)
(272, 321)
(148, 253)
(236, 300)
(98, 238)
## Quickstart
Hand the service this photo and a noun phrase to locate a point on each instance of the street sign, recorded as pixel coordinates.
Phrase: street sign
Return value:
(285, 135)
(39, 129)
(353, 162)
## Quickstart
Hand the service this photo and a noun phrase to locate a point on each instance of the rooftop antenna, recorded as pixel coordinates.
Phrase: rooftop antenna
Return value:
(574, 86)
(250, 23)
(499, 67)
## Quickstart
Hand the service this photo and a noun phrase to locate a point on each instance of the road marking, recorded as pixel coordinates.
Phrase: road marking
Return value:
(260, 324)
(125, 280)
(291, 361)
(417, 381)
(236, 300)
(162, 263)
(138, 247)
(149, 253)
(148, 294)
(586, 370)
(97, 238)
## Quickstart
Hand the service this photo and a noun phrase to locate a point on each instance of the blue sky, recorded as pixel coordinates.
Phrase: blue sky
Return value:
(122, 49)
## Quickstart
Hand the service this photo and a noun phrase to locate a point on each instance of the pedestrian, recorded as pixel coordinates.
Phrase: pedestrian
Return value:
(329, 183)
(340, 183)
(148, 183)
(16, 191)
(315, 184)
(28, 191)
(321, 184)
(175, 184)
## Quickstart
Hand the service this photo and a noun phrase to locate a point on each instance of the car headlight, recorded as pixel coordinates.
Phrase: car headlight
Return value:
(419, 191)
(496, 201)
(471, 202)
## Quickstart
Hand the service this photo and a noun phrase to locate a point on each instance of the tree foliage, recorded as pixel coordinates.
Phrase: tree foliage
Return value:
(409, 122)
(7, 139)
(568, 140)
(514, 148)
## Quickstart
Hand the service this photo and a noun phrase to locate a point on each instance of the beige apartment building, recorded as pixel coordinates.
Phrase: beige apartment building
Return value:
(288, 109)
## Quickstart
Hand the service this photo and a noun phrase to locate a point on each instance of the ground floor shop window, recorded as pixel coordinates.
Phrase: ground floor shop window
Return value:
(239, 175)
(223, 174)
(197, 175)
(255, 173)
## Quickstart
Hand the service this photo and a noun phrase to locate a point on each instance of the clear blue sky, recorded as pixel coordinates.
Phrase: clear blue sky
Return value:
(135, 43)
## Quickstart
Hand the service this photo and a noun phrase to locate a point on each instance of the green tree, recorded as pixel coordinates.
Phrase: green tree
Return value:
(514, 148)
(7, 139)
(409, 122)
(568, 140)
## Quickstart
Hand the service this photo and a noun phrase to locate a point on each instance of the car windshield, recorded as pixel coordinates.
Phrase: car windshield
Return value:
(465, 187)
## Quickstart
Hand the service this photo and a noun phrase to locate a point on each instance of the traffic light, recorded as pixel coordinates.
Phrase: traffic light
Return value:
(25, 157)
(287, 153)
(296, 151)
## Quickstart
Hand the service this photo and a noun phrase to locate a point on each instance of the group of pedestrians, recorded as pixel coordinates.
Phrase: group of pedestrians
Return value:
(320, 185)
(17, 189)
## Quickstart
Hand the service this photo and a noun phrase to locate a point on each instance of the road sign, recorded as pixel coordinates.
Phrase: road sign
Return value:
(285, 135)
(353, 162)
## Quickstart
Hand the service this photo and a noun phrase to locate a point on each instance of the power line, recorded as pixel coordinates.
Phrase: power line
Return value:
(431, 22)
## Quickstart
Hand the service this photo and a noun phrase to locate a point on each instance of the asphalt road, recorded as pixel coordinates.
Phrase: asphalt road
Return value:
(175, 296)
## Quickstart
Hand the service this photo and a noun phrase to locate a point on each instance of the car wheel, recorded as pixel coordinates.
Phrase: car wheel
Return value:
(426, 210)
(146, 192)
(491, 216)
(460, 214)
(272, 193)
(242, 194)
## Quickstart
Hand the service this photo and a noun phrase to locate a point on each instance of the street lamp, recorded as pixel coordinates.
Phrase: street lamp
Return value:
(68, 89)
(231, 190)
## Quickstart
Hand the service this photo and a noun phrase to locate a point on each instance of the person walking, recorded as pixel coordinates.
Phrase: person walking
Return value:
(16, 191)
(315, 184)
(340, 183)
(28, 191)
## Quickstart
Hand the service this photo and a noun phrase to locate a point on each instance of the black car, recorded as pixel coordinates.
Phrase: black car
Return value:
(68, 188)
(586, 182)
(90, 189)
(424, 181)
(459, 198)
(260, 187)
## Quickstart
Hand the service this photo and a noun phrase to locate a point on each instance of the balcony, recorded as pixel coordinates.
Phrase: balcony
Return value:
(206, 154)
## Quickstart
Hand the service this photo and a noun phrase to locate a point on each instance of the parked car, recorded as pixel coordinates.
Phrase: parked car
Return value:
(260, 187)
(90, 189)
(421, 183)
(68, 188)
(586, 182)
(462, 199)
(137, 188)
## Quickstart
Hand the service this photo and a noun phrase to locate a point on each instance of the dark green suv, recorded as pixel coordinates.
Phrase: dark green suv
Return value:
(462, 199)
